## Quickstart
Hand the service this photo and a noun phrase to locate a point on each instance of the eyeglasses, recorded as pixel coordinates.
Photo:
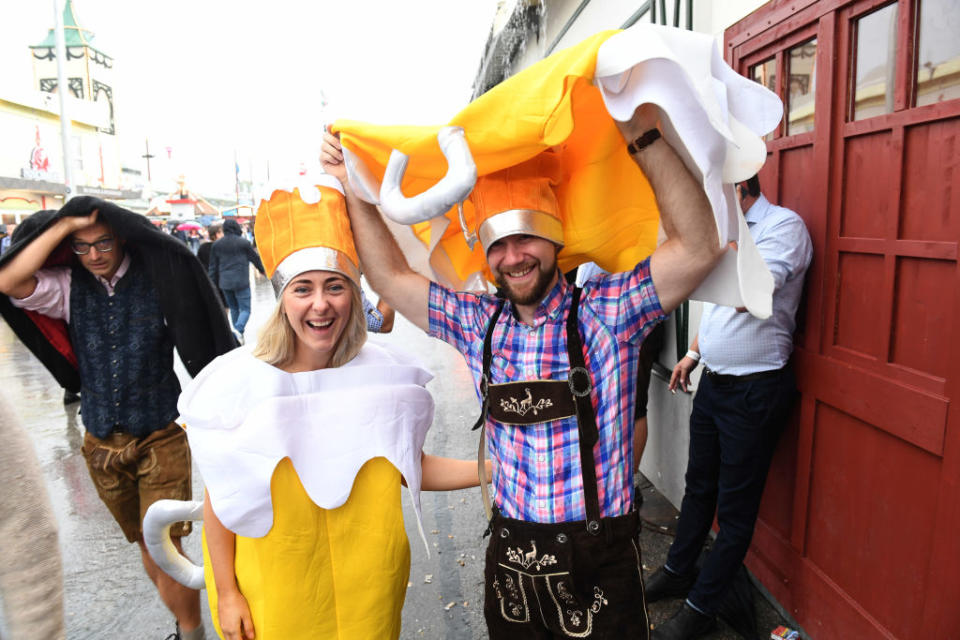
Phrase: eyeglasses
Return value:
(83, 248)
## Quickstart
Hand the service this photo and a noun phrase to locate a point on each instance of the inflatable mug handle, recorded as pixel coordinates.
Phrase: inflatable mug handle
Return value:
(160, 516)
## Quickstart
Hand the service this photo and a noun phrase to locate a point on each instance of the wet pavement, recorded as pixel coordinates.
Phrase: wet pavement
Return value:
(108, 596)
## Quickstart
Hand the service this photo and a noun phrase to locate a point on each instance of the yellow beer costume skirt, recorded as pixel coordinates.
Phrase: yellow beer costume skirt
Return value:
(306, 469)
(326, 573)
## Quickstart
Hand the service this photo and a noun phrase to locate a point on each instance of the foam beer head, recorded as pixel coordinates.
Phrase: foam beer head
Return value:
(306, 228)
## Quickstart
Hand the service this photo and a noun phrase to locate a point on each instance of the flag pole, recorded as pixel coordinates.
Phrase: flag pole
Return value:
(236, 173)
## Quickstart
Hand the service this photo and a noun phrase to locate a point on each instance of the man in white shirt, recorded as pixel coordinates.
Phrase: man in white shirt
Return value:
(742, 404)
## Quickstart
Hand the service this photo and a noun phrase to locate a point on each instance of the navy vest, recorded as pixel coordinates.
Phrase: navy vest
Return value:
(125, 354)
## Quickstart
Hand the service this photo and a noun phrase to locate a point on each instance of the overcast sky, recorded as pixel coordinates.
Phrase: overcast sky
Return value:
(205, 77)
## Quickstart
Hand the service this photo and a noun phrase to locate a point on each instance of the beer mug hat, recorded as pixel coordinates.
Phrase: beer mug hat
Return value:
(306, 228)
(519, 200)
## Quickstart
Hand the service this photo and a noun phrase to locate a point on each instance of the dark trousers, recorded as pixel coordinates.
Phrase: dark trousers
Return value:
(546, 581)
(734, 430)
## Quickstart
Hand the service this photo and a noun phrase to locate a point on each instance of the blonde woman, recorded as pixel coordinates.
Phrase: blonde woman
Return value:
(304, 443)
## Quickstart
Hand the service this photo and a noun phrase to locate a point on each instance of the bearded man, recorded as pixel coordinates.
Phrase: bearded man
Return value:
(555, 366)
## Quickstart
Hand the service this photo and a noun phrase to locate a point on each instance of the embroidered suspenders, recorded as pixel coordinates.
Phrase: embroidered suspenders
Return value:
(535, 401)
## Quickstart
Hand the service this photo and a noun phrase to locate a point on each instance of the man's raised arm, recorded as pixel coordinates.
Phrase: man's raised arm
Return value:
(17, 277)
(692, 247)
(383, 263)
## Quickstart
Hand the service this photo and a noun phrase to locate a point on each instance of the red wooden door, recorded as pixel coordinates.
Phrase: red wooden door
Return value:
(859, 535)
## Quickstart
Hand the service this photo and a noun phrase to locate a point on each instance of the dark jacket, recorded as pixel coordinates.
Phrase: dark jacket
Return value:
(203, 254)
(189, 304)
(229, 257)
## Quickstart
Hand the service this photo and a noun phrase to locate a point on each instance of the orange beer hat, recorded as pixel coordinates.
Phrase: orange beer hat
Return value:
(518, 200)
(306, 228)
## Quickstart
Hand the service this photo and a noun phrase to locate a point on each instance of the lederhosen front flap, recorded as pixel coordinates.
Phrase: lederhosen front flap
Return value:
(529, 402)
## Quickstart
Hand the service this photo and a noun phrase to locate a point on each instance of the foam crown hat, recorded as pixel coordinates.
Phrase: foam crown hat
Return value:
(518, 200)
(306, 228)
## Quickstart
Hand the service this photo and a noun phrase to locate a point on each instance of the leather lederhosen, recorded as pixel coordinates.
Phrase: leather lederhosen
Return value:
(579, 579)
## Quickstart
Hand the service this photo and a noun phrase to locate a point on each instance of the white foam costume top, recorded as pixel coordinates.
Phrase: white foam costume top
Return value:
(244, 416)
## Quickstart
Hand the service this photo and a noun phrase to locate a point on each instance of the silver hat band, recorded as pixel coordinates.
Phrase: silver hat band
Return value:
(520, 221)
(312, 259)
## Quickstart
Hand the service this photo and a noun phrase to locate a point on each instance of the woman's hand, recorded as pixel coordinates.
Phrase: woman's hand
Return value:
(235, 620)
(331, 156)
(234, 612)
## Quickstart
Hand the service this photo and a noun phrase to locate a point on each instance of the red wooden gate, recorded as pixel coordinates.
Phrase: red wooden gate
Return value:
(859, 535)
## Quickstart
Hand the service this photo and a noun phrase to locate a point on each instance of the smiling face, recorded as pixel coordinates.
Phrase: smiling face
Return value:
(99, 263)
(318, 307)
(525, 267)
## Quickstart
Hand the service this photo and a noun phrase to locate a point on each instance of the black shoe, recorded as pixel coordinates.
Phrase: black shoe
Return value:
(665, 584)
(175, 635)
(686, 624)
(69, 397)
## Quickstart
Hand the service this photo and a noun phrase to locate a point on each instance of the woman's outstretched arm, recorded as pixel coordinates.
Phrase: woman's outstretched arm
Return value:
(446, 474)
(235, 620)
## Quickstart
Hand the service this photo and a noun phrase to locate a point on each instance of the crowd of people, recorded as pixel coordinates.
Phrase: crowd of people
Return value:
(306, 436)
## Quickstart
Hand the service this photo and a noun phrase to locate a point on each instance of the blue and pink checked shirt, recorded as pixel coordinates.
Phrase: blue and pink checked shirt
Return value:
(536, 473)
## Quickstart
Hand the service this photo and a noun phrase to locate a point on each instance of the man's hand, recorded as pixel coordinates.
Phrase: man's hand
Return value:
(235, 620)
(331, 156)
(681, 373)
(18, 276)
(75, 223)
(645, 117)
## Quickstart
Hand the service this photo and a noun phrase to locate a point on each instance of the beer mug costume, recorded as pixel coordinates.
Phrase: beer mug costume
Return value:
(305, 468)
(566, 104)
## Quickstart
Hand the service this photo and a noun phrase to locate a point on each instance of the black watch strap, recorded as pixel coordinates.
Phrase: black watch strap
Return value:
(644, 141)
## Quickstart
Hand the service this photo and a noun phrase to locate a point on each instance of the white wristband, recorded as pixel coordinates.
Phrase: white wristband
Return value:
(693, 355)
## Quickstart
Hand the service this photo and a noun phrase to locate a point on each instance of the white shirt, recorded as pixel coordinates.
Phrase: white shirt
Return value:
(738, 343)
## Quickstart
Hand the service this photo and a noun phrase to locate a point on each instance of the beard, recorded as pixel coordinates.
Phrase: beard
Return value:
(537, 291)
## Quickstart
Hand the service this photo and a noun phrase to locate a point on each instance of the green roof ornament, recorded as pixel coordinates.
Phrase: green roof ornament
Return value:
(74, 35)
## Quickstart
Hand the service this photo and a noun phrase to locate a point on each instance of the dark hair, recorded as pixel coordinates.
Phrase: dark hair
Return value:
(753, 186)
(232, 227)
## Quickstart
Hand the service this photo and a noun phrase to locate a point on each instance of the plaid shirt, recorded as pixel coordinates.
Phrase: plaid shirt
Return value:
(536, 471)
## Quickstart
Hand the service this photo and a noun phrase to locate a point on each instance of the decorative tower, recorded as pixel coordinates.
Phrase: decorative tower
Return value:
(89, 71)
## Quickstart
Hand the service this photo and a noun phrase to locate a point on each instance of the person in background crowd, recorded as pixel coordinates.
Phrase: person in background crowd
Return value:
(6, 235)
(214, 233)
(229, 270)
(379, 316)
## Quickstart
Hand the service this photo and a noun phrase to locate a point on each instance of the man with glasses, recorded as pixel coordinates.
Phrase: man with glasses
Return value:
(122, 295)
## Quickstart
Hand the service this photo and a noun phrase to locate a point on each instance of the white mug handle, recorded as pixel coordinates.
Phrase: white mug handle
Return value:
(160, 516)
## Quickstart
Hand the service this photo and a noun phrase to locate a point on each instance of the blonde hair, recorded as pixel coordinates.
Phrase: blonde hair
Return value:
(277, 341)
